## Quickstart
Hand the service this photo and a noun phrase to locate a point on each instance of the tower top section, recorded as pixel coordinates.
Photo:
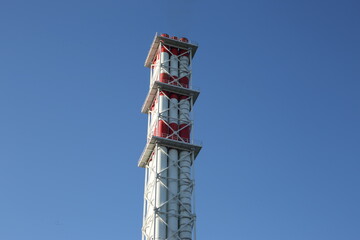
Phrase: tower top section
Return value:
(182, 43)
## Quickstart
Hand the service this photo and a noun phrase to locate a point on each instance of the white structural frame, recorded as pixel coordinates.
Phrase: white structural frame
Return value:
(168, 159)
(152, 210)
(162, 66)
(156, 114)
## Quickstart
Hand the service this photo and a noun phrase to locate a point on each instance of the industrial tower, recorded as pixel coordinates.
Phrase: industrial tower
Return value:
(169, 153)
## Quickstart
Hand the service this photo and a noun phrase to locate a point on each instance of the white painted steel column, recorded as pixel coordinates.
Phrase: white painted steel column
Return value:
(174, 64)
(163, 129)
(184, 122)
(155, 69)
(186, 185)
(154, 116)
(184, 65)
(161, 193)
(173, 180)
(173, 205)
(185, 180)
(149, 126)
(173, 111)
(173, 116)
(164, 61)
(161, 170)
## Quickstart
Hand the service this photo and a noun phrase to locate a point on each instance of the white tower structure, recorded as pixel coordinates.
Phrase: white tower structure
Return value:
(169, 154)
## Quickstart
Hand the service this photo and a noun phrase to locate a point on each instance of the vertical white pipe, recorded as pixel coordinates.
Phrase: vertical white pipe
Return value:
(148, 128)
(164, 112)
(184, 63)
(185, 182)
(154, 115)
(185, 179)
(162, 161)
(173, 180)
(184, 70)
(161, 193)
(184, 119)
(174, 66)
(163, 100)
(156, 71)
(193, 191)
(173, 205)
(184, 107)
(165, 62)
(173, 116)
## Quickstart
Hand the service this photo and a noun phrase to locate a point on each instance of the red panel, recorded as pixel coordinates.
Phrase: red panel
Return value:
(184, 81)
(173, 128)
(185, 133)
(163, 130)
(164, 77)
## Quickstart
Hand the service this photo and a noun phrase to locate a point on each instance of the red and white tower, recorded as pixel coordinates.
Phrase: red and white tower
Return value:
(169, 154)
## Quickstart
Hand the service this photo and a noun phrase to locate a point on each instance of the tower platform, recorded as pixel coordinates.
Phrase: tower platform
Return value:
(170, 42)
(150, 145)
(166, 87)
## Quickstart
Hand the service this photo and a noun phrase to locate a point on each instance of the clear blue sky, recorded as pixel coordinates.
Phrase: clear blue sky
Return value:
(278, 114)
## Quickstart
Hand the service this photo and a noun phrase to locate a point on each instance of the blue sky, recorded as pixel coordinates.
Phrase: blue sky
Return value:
(278, 115)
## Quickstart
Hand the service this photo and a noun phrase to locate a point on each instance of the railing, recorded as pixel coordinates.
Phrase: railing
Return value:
(176, 138)
(172, 81)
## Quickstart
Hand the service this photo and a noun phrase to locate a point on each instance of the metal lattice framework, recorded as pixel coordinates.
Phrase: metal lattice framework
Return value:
(156, 114)
(155, 178)
(163, 66)
(169, 154)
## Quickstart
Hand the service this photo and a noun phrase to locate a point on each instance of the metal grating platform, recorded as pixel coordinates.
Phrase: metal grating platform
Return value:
(166, 87)
(149, 148)
(170, 42)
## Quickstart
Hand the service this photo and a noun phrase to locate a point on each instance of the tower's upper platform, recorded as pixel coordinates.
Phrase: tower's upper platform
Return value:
(170, 42)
